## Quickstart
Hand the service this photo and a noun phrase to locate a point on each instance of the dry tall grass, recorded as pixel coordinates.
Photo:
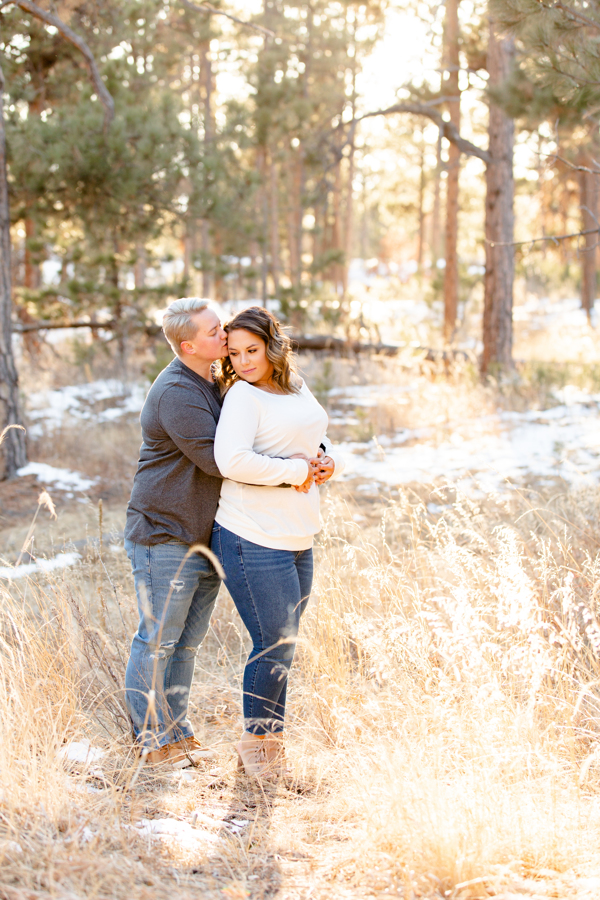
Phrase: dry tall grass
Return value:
(444, 721)
(444, 706)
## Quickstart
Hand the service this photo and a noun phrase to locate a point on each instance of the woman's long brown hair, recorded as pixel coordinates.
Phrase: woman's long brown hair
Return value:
(279, 351)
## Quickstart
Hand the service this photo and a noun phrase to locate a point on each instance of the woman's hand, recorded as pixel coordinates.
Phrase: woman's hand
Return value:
(324, 468)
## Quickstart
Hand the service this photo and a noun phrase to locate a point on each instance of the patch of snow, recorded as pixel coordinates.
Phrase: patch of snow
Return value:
(370, 394)
(544, 314)
(483, 454)
(434, 508)
(61, 561)
(81, 752)
(182, 833)
(49, 409)
(10, 847)
(61, 479)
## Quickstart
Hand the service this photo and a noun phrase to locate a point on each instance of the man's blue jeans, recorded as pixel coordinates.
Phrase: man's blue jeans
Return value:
(176, 597)
(270, 589)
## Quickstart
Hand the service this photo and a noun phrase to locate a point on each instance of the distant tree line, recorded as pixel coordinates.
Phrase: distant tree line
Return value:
(259, 194)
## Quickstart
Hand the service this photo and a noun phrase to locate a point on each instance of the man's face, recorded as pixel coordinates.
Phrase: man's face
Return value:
(210, 342)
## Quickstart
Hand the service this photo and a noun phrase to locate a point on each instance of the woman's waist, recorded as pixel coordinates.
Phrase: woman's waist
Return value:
(281, 495)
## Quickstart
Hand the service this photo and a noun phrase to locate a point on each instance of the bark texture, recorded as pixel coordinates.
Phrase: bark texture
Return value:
(13, 448)
(452, 196)
(588, 201)
(499, 217)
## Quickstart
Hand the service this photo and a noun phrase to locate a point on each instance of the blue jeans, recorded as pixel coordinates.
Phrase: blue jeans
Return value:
(176, 597)
(270, 589)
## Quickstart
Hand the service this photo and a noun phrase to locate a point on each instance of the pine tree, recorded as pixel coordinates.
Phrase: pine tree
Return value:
(499, 217)
(557, 80)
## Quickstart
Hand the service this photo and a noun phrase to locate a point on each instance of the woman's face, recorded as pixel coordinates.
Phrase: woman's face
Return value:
(248, 355)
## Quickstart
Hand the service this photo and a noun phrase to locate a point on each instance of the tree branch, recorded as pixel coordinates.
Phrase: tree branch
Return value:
(447, 129)
(207, 8)
(571, 165)
(69, 35)
(574, 13)
(551, 237)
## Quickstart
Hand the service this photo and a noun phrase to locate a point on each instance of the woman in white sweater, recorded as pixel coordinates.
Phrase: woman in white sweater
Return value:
(268, 447)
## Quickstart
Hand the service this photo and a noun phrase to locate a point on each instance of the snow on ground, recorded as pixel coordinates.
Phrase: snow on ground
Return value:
(545, 314)
(174, 831)
(80, 752)
(188, 835)
(50, 409)
(482, 454)
(61, 479)
(60, 561)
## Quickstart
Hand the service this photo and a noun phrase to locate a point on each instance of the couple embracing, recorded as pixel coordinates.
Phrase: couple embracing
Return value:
(234, 448)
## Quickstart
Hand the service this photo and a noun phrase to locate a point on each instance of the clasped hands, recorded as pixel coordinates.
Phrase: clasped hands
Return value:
(320, 470)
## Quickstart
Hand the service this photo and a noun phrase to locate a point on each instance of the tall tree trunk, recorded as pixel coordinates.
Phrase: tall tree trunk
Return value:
(349, 211)
(451, 252)
(294, 218)
(337, 224)
(299, 176)
(421, 245)
(139, 269)
(205, 244)
(262, 215)
(189, 248)
(31, 278)
(364, 224)
(207, 76)
(13, 448)
(349, 223)
(274, 224)
(588, 202)
(564, 209)
(435, 214)
(499, 217)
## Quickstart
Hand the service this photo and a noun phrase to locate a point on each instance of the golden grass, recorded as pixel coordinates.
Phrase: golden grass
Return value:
(444, 721)
(443, 716)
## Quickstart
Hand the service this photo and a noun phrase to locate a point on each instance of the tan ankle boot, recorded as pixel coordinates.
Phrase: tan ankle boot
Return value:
(253, 756)
(275, 751)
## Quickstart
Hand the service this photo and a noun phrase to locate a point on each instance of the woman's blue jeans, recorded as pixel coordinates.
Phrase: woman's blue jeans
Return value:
(270, 589)
(176, 597)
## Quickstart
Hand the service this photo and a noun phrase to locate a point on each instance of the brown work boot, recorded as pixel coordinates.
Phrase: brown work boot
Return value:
(192, 749)
(166, 756)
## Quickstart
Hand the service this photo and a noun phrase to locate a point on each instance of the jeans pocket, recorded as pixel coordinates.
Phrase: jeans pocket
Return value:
(215, 542)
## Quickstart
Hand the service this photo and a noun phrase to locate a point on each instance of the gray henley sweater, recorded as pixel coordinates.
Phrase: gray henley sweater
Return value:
(177, 484)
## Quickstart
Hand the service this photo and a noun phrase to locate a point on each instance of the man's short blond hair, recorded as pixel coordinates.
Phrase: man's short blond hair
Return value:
(177, 323)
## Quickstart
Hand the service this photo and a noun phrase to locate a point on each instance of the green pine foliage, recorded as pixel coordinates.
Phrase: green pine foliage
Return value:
(100, 199)
(561, 43)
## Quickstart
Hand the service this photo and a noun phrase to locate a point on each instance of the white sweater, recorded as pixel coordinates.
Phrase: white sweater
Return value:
(254, 427)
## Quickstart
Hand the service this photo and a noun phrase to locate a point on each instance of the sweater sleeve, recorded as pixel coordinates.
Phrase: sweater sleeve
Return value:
(234, 443)
(340, 462)
(191, 425)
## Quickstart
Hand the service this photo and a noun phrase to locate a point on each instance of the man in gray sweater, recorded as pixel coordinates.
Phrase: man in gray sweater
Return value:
(172, 507)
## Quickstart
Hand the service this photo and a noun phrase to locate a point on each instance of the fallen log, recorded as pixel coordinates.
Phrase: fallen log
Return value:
(319, 343)
(300, 342)
(40, 325)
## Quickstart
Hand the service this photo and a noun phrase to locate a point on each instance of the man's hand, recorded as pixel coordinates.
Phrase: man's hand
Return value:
(324, 468)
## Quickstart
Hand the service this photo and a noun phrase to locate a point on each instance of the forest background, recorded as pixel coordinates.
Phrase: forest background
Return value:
(256, 156)
(413, 189)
